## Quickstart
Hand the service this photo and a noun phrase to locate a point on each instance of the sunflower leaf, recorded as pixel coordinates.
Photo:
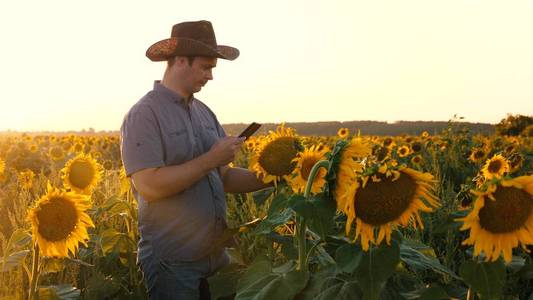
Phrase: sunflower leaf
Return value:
(115, 206)
(376, 266)
(526, 272)
(260, 268)
(280, 203)
(13, 260)
(323, 213)
(59, 292)
(316, 282)
(114, 241)
(340, 289)
(224, 282)
(261, 196)
(348, 257)
(52, 265)
(434, 292)
(416, 260)
(19, 238)
(486, 278)
(260, 282)
(272, 221)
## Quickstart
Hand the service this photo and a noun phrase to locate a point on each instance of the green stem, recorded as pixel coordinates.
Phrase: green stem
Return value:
(300, 231)
(34, 273)
(301, 228)
(312, 175)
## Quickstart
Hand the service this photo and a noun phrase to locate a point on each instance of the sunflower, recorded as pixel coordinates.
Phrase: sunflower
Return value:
(250, 144)
(385, 200)
(304, 163)
(66, 146)
(78, 147)
(56, 153)
(389, 142)
(515, 162)
(477, 155)
(25, 178)
(108, 164)
(59, 222)
(381, 153)
(273, 158)
(497, 166)
(502, 218)
(416, 147)
(96, 154)
(403, 151)
(348, 167)
(2, 166)
(343, 133)
(416, 160)
(81, 174)
(424, 134)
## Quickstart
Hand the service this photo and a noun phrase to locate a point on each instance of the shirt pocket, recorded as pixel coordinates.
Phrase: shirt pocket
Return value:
(210, 135)
(177, 147)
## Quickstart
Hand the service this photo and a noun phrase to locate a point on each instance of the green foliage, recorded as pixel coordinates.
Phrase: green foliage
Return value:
(376, 266)
(261, 281)
(318, 210)
(513, 125)
(485, 278)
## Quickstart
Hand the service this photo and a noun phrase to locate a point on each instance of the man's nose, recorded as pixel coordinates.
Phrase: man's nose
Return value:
(209, 75)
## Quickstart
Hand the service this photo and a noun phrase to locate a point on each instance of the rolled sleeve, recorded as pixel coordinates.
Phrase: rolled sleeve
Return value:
(141, 144)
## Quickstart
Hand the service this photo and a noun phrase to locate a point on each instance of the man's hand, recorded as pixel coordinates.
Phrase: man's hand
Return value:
(223, 151)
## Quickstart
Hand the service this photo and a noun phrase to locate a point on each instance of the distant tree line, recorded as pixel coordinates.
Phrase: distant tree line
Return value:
(512, 125)
(515, 125)
(367, 127)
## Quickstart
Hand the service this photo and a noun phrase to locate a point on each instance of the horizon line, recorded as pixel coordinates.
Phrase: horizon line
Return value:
(91, 129)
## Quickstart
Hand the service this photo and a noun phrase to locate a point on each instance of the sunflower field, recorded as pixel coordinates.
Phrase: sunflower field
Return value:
(445, 215)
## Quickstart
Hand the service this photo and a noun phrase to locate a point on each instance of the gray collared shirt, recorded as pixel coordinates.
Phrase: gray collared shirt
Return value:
(161, 129)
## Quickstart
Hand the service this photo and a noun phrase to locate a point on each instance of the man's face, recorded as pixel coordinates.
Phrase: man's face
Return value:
(195, 76)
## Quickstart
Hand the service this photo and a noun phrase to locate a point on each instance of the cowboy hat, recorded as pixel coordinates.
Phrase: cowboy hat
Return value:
(191, 39)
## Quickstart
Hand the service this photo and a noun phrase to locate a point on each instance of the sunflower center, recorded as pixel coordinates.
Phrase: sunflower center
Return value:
(382, 202)
(387, 142)
(382, 153)
(479, 154)
(416, 146)
(276, 158)
(56, 152)
(509, 212)
(81, 174)
(57, 219)
(307, 165)
(495, 166)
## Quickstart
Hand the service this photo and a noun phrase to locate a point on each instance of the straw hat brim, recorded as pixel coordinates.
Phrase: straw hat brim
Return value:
(168, 48)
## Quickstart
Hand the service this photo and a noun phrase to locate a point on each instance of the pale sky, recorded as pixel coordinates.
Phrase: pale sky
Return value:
(69, 65)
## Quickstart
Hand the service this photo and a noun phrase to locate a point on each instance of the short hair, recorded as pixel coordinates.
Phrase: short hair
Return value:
(171, 60)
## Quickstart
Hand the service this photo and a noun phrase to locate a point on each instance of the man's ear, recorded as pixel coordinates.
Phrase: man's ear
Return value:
(180, 60)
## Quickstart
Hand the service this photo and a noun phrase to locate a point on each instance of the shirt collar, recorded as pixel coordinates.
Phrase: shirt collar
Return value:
(170, 94)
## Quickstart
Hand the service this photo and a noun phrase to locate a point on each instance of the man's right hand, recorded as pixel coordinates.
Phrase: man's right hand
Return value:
(223, 151)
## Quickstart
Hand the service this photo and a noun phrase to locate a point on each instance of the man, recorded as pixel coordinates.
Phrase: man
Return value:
(177, 155)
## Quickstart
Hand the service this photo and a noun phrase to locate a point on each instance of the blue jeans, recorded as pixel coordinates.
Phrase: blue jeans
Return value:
(174, 279)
